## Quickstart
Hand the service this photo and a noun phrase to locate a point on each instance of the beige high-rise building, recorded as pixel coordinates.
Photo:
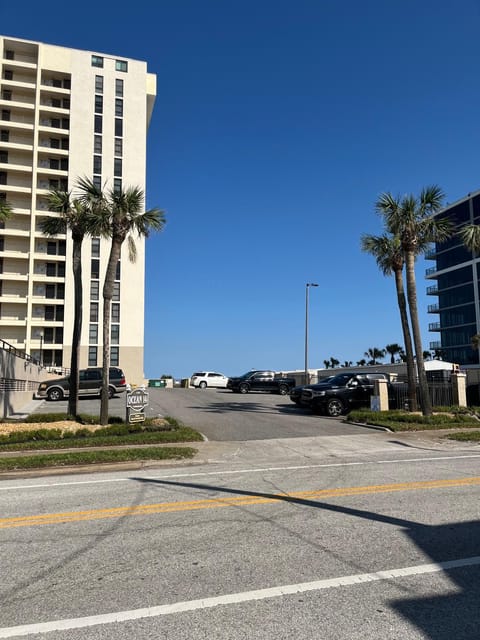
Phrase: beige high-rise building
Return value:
(65, 114)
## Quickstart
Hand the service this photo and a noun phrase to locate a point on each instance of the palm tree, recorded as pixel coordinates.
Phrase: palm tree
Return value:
(387, 250)
(393, 350)
(374, 354)
(327, 364)
(411, 220)
(121, 219)
(334, 362)
(6, 210)
(361, 363)
(75, 216)
(347, 363)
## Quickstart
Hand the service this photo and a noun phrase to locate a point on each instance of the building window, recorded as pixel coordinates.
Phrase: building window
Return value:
(116, 291)
(93, 333)
(61, 270)
(8, 74)
(117, 186)
(92, 356)
(115, 334)
(59, 335)
(97, 144)
(95, 247)
(3, 177)
(3, 156)
(114, 356)
(48, 335)
(94, 312)
(118, 147)
(54, 164)
(49, 313)
(95, 268)
(119, 88)
(98, 84)
(9, 54)
(4, 135)
(2, 244)
(117, 272)
(7, 94)
(6, 115)
(94, 289)
(97, 61)
(119, 107)
(97, 164)
(97, 182)
(98, 124)
(117, 167)
(115, 312)
(51, 269)
(98, 104)
(121, 65)
(118, 127)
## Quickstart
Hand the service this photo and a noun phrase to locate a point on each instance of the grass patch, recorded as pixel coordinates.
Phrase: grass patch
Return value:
(465, 436)
(95, 457)
(445, 418)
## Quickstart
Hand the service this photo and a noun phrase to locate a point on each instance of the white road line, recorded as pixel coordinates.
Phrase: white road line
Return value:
(233, 598)
(237, 472)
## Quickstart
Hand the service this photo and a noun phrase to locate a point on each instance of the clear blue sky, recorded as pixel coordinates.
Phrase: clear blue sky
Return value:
(276, 126)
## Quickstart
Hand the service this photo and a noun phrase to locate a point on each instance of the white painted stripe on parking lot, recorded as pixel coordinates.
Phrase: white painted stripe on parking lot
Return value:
(233, 598)
(230, 472)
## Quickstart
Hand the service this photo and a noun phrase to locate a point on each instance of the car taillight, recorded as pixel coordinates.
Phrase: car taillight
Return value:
(122, 381)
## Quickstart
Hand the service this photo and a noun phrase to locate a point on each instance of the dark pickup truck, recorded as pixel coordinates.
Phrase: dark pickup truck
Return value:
(261, 381)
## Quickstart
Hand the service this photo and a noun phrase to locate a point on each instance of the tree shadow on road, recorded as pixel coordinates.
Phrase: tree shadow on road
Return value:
(442, 617)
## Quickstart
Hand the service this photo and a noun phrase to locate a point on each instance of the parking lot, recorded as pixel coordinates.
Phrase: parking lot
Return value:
(222, 415)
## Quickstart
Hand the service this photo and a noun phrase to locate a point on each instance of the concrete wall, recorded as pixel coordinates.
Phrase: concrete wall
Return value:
(19, 380)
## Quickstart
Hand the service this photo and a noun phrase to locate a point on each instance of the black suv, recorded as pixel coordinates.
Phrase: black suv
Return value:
(342, 393)
(261, 381)
(90, 384)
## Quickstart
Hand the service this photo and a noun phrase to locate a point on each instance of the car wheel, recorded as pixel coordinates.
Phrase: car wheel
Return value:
(243, 388)
(111, 392)
(283, 389)
(55, 394)
(202, 384)
(335, 407)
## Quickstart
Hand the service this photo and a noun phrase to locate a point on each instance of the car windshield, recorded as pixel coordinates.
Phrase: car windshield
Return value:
(340, 380)
(198, 374)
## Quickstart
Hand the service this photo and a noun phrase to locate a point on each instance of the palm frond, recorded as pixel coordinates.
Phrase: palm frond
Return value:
(53, 226)
(470, 236)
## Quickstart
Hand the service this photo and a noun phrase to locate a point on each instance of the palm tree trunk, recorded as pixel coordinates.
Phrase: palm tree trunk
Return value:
(77, 325)
(107, 306)
(425, 402)
(407, 338)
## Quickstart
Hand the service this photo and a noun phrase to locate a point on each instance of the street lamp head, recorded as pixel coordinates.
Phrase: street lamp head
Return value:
(312, 284)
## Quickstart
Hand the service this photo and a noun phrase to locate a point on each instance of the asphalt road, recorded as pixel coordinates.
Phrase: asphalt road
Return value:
(375, 546)
(225, 416)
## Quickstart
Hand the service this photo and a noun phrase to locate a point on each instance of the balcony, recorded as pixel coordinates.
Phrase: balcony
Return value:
(434, 326)
(432, 291)
(435, 345)
(430, 271)
(433, 308)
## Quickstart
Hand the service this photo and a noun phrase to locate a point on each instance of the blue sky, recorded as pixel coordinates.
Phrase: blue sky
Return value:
(276, 126)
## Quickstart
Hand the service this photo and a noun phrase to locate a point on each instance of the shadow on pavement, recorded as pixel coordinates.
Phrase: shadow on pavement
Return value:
(446, 617)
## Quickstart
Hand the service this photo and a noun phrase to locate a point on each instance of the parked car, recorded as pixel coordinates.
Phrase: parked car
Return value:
(261, 381)
(204, 379)
(90, 384)
(296, 392)
(342, 393)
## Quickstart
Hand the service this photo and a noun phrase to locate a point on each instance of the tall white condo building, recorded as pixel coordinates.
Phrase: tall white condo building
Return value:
(65, 114)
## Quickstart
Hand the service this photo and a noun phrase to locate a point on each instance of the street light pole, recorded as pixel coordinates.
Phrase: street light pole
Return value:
(307, 287)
